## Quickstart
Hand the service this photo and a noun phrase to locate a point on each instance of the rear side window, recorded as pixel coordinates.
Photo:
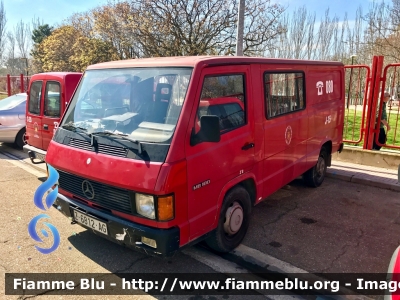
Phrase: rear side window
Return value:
(223, 96)
(52, 99)
(34, 97)
(284, 93)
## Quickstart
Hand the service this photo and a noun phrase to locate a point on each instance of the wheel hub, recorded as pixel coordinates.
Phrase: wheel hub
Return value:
(233, 219)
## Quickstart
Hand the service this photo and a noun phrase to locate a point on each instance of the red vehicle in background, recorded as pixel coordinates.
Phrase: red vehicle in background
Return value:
(48, 97)
(160, 153)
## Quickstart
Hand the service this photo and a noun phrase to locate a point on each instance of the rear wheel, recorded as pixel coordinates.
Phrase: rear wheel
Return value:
(316, 175)
(20, 140)
(233, 221)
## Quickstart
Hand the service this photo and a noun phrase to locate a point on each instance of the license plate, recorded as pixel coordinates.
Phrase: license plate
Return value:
(90, 222)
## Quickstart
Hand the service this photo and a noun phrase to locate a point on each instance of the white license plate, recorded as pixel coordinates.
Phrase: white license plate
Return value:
(90, 222)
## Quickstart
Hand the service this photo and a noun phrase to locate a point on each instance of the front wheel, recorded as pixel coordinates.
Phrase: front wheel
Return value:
(233, 221)
(316, 175)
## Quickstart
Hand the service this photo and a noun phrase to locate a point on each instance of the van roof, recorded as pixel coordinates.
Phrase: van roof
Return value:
(56, 74)
(191, 61)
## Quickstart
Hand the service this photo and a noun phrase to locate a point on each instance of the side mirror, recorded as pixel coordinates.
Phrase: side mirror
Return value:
(209, 131)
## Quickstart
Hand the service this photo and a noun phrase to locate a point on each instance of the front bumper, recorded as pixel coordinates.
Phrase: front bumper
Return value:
(36, 155)
(167, 239)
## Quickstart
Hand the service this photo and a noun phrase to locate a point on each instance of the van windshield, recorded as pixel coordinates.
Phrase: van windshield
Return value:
(142, 104)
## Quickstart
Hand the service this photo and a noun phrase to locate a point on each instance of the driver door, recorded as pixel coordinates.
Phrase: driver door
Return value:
(225, 92)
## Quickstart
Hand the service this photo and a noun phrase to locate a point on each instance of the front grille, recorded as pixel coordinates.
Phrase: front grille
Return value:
(105, 195)
(103, 149)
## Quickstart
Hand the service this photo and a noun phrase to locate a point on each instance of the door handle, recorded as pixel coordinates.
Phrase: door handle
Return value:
(248, 146)
(45, 126)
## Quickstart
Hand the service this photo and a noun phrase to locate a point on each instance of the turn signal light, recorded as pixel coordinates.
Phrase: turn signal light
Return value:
(165, 208)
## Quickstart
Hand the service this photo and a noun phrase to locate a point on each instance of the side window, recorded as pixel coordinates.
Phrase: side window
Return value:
(52, 107)
(34, 97)
(223, 96)
(284, 93)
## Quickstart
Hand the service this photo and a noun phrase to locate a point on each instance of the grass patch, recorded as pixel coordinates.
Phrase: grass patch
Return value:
(2, 96)
(352, 127)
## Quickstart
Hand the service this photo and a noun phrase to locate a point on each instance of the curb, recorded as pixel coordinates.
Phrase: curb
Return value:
(259, 262)
(351, 177)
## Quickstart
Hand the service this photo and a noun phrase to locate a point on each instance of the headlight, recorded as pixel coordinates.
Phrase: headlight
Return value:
(145, 205)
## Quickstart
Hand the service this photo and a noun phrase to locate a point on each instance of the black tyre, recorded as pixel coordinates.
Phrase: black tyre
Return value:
(316, 175)
(233, 221)
(20, 140)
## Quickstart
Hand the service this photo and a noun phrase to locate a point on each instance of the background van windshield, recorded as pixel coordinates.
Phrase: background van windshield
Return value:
(142, 103)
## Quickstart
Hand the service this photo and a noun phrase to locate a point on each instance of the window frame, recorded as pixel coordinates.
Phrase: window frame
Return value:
(303, 90)
(244, 86)
(40, 98)
(45, 102)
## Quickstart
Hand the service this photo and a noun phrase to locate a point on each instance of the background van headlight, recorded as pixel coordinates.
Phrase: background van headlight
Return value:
(145, 205)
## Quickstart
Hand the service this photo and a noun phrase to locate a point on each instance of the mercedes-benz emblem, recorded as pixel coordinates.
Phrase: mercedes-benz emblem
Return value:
(87, 189)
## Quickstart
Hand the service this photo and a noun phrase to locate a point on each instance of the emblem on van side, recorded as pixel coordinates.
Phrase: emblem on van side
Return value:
(36, 126)
(288, 135)
(320, 85)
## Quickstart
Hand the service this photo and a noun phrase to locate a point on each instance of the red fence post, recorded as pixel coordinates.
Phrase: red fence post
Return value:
(8, 85)
(22, 82)
(372, 101)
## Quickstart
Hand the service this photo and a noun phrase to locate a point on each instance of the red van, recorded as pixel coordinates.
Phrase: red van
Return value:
(48, 96)
(159, 153)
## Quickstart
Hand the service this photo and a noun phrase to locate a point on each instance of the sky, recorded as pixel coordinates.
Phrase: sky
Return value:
(50, 12)
(336, 7)
(53, 12)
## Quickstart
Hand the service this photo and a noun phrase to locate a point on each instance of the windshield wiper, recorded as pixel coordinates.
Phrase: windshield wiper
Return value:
(73, 127)
(119, 135)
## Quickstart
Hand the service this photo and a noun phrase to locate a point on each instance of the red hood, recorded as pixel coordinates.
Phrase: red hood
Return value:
(125, 173)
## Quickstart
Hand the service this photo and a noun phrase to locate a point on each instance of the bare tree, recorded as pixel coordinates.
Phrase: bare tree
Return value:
(13, 63)
(262, 25)
(395, 12)
(22, 34)
(297, 37)
(196, 27)
(3, 22)
(382, 32)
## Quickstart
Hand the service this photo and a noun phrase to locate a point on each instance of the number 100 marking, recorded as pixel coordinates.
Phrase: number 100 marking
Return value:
(329, 86)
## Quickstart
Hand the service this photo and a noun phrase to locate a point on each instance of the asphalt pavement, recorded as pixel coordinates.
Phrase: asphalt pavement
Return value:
(349, 224)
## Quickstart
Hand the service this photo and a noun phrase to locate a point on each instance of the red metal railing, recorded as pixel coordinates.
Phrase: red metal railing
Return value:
(10, 85)
(357, 79)
(364, 94)
(390, 84)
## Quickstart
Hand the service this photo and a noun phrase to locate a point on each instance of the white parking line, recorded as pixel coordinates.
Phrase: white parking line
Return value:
(273, 264)
(224, 266)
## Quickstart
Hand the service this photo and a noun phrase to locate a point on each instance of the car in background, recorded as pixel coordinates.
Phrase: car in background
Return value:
(12, 119)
